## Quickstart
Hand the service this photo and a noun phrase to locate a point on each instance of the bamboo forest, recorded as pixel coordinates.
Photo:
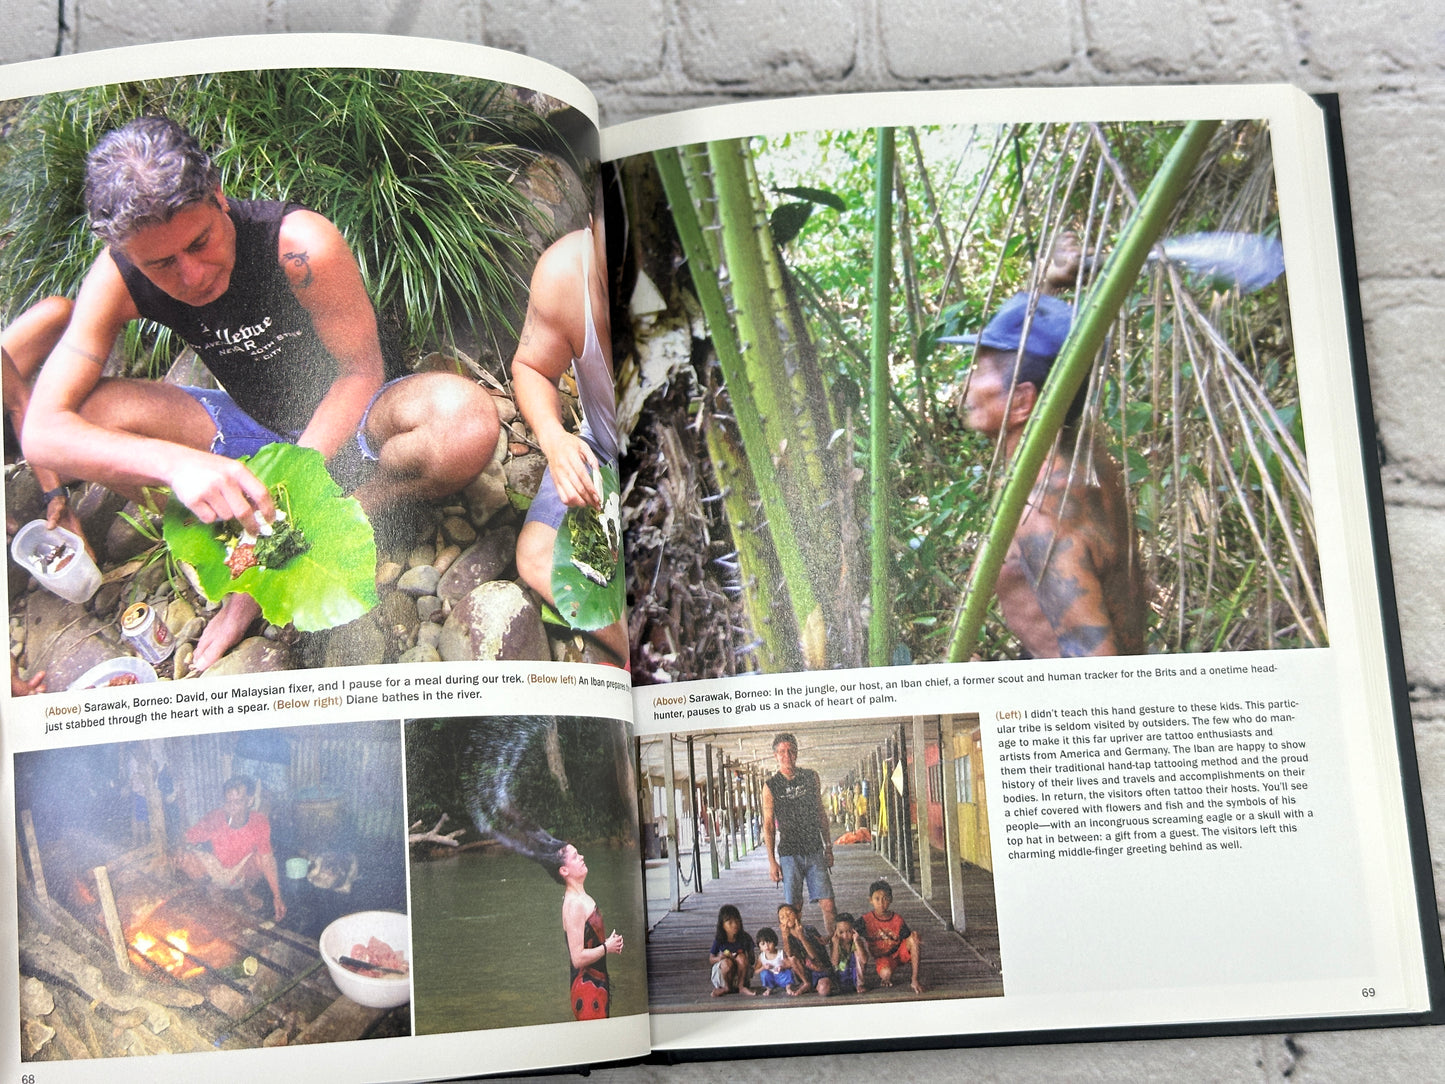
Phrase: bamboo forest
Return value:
(805, 494)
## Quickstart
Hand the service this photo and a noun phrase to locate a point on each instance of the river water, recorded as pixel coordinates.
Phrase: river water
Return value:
(488, 944)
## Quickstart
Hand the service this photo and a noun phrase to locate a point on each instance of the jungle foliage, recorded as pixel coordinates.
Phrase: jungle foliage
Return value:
(416, 169)
(1192, 390)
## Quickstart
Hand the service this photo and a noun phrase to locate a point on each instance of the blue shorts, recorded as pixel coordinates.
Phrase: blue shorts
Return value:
(238, 434)
(811, 869)
(777, 980)
(547, 508)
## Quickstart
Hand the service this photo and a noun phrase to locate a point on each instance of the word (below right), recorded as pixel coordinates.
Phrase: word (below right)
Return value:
(1163, 779)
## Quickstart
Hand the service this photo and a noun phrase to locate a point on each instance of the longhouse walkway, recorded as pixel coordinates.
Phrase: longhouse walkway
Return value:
(954, 965)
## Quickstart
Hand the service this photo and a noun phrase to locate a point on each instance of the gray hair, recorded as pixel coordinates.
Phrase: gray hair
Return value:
(142, 174)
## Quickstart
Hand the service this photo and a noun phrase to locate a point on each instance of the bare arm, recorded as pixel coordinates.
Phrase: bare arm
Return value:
(268, 870)
(769, 829)
(824, 824)
(326, 280)
(552, 336)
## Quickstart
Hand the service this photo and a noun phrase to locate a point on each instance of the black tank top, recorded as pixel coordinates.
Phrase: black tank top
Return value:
(256, 339)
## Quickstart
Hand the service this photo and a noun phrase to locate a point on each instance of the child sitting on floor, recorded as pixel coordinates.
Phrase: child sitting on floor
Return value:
(772, 970)
(731, 955)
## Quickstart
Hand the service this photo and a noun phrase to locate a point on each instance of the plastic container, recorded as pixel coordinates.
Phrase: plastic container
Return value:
(101, 674)
(297, 868)
(341, 936)
(77, 581)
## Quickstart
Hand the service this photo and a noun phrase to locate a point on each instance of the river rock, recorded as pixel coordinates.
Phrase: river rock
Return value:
(178, 615)
(254, 655)
(506, 409)
(106, 600)
(423, 553)
(458, 531)
(486, 495)
(429, 633)
(96, 507)
(182, 665)
(524, 472)
(65, 641)
(192, 630)
(123, 541)
(387, 572)
(488, 559)
(428, 608)
(421, 580)
(447, 556)
(421, 653)
(495, 621)
(359, 643)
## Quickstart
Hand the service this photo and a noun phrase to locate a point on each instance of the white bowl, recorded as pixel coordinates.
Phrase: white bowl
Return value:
(97, 676)
(346, 932)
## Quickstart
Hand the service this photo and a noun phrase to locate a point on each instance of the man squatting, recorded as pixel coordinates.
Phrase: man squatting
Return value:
(271, 298)
(1071, 583)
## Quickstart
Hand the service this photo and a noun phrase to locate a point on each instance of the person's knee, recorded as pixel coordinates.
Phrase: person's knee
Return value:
(462, 428)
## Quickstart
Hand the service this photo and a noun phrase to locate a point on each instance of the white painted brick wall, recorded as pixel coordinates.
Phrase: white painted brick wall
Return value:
(1386, 60)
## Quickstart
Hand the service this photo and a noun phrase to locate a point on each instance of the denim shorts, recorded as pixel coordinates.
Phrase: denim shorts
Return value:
(809, 869)
(238, 434)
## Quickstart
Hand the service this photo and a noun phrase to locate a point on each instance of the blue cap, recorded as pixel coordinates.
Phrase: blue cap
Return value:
(1047, 331)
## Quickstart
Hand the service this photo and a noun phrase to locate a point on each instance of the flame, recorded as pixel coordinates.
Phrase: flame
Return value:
(169, 953)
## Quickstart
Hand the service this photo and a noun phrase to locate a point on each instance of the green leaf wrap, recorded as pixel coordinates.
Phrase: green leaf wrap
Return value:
(330, 584)
(582, 602)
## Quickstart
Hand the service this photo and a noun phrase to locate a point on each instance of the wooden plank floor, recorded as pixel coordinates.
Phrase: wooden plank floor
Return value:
(953, 965)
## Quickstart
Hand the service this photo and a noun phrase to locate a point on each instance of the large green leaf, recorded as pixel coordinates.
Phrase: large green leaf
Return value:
(582, 602)
(330, 584)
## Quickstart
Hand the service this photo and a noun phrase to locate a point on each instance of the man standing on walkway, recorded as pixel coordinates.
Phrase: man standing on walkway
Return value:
(795, 831)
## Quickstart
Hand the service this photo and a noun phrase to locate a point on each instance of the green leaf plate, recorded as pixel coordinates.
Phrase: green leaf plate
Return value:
(582, 602)
(330, 584)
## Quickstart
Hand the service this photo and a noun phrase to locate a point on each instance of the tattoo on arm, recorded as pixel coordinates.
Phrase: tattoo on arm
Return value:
(298, 269)
(1055, 589)
(1082, 640)
(99, 359)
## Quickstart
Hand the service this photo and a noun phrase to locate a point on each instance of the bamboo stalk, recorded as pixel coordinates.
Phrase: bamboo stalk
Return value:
(1095, 314)
(745, 408)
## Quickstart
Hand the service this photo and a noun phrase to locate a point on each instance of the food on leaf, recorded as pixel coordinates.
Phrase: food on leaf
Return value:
(587, 583)
(314, 566)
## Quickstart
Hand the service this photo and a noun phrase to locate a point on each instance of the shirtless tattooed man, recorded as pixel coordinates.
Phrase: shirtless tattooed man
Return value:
(1071, 584)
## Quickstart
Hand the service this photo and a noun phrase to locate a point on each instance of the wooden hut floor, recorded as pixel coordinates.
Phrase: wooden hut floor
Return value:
(203, 1000)
(953, 966)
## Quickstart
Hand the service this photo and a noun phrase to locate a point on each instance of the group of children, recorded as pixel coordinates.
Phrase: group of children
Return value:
(797, 959)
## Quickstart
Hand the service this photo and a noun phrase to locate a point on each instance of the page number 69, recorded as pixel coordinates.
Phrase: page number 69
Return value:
(1368, 991)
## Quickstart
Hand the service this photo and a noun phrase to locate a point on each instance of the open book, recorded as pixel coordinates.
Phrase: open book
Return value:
(488, 594)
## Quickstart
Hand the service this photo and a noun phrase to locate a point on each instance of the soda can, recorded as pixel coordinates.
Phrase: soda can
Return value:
(140, 625)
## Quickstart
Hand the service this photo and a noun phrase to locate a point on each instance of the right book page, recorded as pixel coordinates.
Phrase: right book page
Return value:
(1007, 636)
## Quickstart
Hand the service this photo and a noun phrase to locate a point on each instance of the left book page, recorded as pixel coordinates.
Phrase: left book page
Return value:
(310, 473)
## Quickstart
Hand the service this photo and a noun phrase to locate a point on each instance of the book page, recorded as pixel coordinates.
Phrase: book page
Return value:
(317, 750)
(1005, 621)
